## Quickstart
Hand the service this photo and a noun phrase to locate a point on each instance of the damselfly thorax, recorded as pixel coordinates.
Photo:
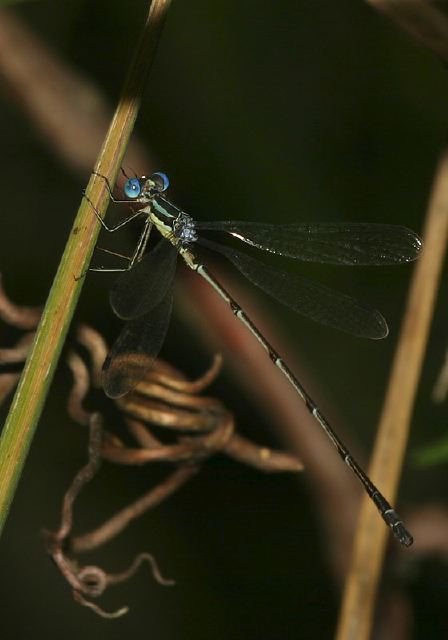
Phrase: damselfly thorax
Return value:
(143, 294)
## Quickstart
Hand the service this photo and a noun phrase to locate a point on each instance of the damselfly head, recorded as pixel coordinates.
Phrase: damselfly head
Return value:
(143, 188)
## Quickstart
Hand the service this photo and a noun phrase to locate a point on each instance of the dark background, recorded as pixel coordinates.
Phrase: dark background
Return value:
(258, 111)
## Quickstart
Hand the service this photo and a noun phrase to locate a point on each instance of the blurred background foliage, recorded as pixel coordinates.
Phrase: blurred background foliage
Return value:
(257, 111)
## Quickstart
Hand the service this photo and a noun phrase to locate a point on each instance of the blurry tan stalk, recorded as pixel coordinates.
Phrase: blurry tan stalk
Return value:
(274, 396)
(371, 535)
(37, 375)
(428, 23)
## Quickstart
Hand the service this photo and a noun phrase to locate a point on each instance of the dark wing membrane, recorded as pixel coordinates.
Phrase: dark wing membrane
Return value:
(329, 243)
(135, 349)
(308, 298)
(140, 289)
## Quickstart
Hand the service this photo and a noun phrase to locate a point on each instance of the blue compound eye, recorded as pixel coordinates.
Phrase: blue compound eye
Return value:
(161, 181)
(132, 188)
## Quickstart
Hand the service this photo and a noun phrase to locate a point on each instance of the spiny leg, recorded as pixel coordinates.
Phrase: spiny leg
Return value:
(120, 224)
(109, 188)
(113, 269)
(141, 244)
(144, 236)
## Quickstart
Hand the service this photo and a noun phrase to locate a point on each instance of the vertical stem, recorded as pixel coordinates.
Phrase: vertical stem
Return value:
(361, 586)
(39, 368)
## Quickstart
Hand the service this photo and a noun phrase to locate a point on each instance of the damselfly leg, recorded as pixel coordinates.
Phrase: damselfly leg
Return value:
(143, 294)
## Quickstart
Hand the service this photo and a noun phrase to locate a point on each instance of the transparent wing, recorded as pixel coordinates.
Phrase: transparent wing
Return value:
(330, 243)
(142, 288)
(308, 298)
(135, 348)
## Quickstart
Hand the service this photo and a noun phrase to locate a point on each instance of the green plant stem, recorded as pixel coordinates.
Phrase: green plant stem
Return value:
(41, 363)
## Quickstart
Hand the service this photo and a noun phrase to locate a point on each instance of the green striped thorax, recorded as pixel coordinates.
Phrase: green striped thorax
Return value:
(173, 223)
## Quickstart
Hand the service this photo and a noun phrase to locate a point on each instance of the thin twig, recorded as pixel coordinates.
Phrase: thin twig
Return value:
(91, 581)
(155, 411)
(16, 315)
(120, 520)
(81, 383)
(83, 477)
(322, 466)
(19, 352)
(270, 392)
(38, 372)
(8, 382)
(96, 348)
(263, 458)
(362, 582)
(189, 449)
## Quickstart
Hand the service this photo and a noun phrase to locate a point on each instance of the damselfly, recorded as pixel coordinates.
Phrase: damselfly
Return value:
(143, 294)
